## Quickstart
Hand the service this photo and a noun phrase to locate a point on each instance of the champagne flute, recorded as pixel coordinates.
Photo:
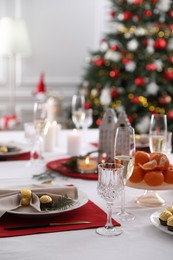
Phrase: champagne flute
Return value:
(124, 153)
(78, 110)
(158, 133)
(30, 135)
(40, 118)
(109, 187)
(157, 143)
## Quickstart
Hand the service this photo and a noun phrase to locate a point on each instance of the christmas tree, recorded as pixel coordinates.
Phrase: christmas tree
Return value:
(133, 68)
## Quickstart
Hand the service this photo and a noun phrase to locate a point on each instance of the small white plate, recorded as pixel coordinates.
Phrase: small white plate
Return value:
(28, 211)
(155, 221)
(20, 149)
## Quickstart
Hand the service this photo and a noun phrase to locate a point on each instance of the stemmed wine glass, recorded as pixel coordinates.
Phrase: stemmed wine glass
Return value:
(109, 187)
(124, 152)
(158, 133)
(157, 143)
(40, 118)
(87, 122)
(30, 135)
(78, 110)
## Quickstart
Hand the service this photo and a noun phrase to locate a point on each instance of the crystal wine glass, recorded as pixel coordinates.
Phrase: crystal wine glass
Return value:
(78, 110)
(124, 152)
(109, 187)
(30, 135)
(86, 123)
(157, 143)
(40, 118)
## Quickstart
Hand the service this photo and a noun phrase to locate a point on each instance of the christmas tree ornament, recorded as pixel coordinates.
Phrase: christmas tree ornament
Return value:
(105, 97)
(130, 66)
(112, 55)
(107, 135)
(132, 45)
(152, 88)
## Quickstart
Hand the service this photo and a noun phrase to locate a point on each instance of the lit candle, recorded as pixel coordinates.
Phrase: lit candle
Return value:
(74, 143)
(50, 135)
(87, 165)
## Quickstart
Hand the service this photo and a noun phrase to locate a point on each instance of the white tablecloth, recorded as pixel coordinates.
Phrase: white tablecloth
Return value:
(139, 240)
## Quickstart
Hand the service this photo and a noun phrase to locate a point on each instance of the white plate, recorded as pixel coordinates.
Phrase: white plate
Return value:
(28, 211)
(143, 186)
(155, 221)
(21, 148)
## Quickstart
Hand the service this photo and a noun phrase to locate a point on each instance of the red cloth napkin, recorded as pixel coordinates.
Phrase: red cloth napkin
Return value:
(89, 212)
(22, 156)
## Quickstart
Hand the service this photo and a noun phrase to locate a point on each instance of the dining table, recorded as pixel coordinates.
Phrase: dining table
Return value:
(140, 239)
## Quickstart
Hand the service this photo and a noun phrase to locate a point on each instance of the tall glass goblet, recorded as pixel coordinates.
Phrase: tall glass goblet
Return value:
(78, 110)
(30, 135)
(40, 118)
(86, 123)
(109, 187)
(124, 152)
(157, 143)
(158, 133)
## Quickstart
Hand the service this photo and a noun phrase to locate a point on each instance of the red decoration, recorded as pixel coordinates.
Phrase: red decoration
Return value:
(145, 42)
(147, 12)
(88, 105)
(131, 119)
(114, 73)
(169, 75)
(170, 13)
(112, 14)
(114, 47)
(114, 93)
(171, 27)
(98, 121)
(138, 2)
(151, 67)
(165, 99)
(170, 114)
(41, 85)
(160, 44)
(170, 59)
(135, 100)
(126, 60)
(127, 15)
(99, 62)
(140, 81)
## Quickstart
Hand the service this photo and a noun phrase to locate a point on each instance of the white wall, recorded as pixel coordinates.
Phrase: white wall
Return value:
(62, 33)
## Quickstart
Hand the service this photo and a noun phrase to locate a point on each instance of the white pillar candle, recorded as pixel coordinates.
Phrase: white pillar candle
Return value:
(50, 134)
(74, 143)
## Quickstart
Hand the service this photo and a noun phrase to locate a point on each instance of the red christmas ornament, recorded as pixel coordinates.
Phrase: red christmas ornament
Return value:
(135, 100)
(127, 15)
(114, 47)
(147, 12)
(126, 60)
(170, 114)
(139, 81)
(169, 75)
(88, 105)
(165, 100)
(114, 93)
(170, 59)
(171, 27)
(151, 67)
(138, 2)
(145, 42)
(170, 13)
(99, 62)
(98, 121)
(131, 119)
(114, 73)
(112, 14)
(160, 44)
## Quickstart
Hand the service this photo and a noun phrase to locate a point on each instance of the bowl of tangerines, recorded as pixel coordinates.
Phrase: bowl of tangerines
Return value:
(151, 171)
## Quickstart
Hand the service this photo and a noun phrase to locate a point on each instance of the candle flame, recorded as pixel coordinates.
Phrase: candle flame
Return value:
(87, 160)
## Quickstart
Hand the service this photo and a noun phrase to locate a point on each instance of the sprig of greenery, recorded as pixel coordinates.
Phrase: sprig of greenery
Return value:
(63, 202)
(47, 174)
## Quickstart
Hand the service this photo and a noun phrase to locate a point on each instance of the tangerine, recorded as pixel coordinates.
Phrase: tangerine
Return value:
(141, 157)
(162, 160)
(168, 174)
(149, 166)
(154, 178)
(137, 175)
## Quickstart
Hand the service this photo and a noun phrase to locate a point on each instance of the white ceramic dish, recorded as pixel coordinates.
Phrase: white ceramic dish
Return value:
(20, 148)
(155, 221)
(28, 211)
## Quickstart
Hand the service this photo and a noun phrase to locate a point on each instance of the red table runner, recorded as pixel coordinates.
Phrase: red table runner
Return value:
(89, 212)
